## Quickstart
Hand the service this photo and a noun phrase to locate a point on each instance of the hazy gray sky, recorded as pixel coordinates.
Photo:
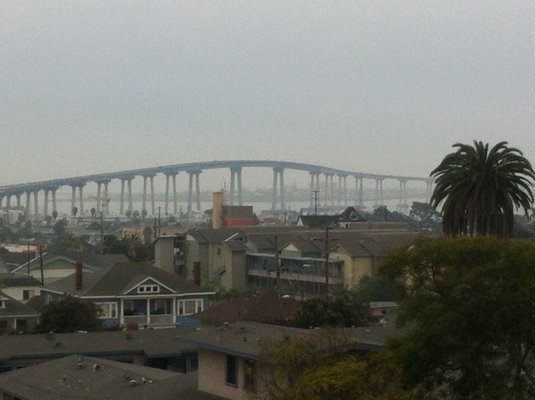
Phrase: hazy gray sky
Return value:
(376, 86)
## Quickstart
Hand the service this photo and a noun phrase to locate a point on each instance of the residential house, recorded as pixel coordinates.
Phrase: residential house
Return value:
(289, 256)
(19, 286)
(342, 220)
(134, 294)
(234, 357)
(206, 255)
(168, 254)
(15, 316)
(76, 377)
(57, 266)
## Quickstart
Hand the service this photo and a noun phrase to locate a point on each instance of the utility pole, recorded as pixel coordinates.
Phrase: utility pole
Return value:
(101, 232)
(316, 197)
(28, 257)
(327, 259)
(41, 264)
(277, 265)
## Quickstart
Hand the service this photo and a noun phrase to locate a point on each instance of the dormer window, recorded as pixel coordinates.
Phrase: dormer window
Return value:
(148, 289)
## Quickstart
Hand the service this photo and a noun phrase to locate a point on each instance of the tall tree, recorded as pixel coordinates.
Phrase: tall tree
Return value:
(69, 315)
(479, 188)
(467, 303)
(324, 365)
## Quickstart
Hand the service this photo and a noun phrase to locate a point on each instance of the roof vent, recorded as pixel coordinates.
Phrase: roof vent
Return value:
(132, 382)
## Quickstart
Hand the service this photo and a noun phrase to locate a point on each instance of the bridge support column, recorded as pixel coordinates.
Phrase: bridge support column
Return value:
(358, 189)
(152, 205)
(106, 204)
(342, 190)
(54, 204)
(232, 187)
(27, 210)
(379, 192)
(402, 194)
(99, 198)
(166, 204)
(175, 209)
(144, 198)
(130, 203)
(198, 190)
(45, 206)
(190, 191)
(278, 172)
(17, 196)
(235, 179)
(329, 189)
(314, 186)
(283, 202)
(121, 200)
(8, 207)
(73, 200)
(82, 211)
(240, 192)
(36, 203)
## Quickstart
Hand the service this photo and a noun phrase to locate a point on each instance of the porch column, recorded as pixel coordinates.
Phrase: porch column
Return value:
(174, 310)
(148, 313)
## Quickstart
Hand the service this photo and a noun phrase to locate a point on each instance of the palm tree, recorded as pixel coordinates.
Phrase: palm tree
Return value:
(480, 188)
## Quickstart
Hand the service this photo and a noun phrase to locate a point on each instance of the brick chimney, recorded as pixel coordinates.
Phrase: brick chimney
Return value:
(79, 276)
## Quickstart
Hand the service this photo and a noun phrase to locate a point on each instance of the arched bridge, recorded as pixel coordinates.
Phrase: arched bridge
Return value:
(333, 191)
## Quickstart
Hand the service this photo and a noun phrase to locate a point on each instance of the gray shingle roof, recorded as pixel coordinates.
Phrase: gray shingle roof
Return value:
(151, 342)
(119, 278)
(76, 377)
(11, 279)
(14, 308)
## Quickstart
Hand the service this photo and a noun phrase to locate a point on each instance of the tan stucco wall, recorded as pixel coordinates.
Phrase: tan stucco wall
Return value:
(234, 276)
(212, 377)
(16, 292)
(355, 268)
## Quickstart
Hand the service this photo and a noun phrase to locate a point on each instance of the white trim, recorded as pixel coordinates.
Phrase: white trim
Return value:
(56, 292)
(145, 280)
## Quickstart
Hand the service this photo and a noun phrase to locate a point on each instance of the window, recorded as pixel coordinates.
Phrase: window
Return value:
(107, 310)
(219, 251)
(2, 304)
(148, 289)
(190, 306)
(128, 307)
(27, 294)
(232, 371)
(21, 325)
(160, 307)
